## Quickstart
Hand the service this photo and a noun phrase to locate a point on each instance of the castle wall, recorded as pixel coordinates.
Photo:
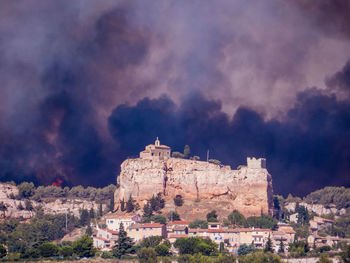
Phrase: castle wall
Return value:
(254, 163)
(247, 189)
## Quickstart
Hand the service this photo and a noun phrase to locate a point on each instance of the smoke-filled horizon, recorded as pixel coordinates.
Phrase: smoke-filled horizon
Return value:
(85, 84)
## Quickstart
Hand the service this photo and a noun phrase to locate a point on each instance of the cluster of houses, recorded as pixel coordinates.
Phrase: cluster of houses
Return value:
(320, 224)
(106, 238)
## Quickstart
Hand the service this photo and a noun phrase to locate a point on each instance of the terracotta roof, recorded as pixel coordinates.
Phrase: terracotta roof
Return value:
(261, 230)
(147, 225)
(112, 232)
(180, 228)
(103, 239)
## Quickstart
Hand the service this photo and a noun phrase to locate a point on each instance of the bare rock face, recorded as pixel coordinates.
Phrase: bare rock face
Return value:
(248, 189)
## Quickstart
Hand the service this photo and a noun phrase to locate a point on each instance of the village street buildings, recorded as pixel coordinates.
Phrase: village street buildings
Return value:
(141, 231)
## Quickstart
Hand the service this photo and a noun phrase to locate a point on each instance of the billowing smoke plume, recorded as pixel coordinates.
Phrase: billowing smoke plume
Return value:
(235, 74)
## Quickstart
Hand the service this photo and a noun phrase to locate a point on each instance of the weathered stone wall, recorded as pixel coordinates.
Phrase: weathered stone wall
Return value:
(248, 189)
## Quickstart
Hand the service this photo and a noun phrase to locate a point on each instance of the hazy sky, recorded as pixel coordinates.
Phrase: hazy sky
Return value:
(84, 84)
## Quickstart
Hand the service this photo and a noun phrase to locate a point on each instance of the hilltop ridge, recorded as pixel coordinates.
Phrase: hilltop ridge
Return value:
(247, 189)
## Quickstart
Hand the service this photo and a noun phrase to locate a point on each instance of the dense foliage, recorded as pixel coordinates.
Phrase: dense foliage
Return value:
(212, 216)
(340, 196)
(245, 249)
(124, 244)
(193, 245)
(260, 257)
(198, 224)
(28, 190)
(178, 201)
(20, 237)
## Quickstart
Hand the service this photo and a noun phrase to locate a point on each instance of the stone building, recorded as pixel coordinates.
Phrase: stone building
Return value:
(254, 163)
(156, 151)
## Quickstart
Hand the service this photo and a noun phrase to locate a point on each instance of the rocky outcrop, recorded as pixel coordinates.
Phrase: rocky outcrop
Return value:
(248, 189)
(59, 206)
(317, 208)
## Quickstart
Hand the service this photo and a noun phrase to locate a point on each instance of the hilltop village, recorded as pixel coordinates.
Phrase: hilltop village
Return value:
(173, 204)
(209, 193)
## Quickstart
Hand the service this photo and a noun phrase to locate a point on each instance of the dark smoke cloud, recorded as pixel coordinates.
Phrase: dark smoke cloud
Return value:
(65, 66)
(308, 150)
(331, 16)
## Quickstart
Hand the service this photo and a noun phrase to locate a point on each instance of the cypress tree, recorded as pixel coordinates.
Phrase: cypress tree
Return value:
(124, 244)
(100, 210)
(281, 249)
(92, 213)
(122, 205)
(147, 212)
(130, 205)
(111, 204)
(268, 246)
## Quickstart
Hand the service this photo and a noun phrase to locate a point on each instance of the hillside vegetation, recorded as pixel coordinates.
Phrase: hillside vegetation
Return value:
(340, 196)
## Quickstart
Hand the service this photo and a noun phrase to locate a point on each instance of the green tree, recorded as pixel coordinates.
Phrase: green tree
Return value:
(198, 224)
(3, 251)
(84, 217)
(122, 205)
(281, 248)
(66, 251)
(237, 219)
(111, 203)
(152, 241)
(264, 221)
(20, 206)
(299, 248)
(89, 230)
(173, 216)
(147, 255)
(162, 250)
(187, 151)
(324, 259)
(260, 257)
(245, 249)
(92, 213)
(147, 212)
(28, 205)
(3, 208)
(194, 245)
(26, 190)
(48, 249)
(83, 247)
(345, 254)
(130, 204)
(178, 201)
(100, 210)
(303, 214)
(268, 245)
(212, 216)
(159, 219)
(124, 244)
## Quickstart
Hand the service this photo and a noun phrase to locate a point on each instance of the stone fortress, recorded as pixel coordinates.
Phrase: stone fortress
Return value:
(202, 185)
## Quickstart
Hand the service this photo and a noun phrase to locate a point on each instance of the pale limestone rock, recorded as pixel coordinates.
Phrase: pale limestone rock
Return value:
(248, 189)
(317, 208)
(59, 206)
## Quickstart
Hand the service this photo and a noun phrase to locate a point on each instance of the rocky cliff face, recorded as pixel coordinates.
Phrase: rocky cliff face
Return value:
(59, 206)
(248, 190)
